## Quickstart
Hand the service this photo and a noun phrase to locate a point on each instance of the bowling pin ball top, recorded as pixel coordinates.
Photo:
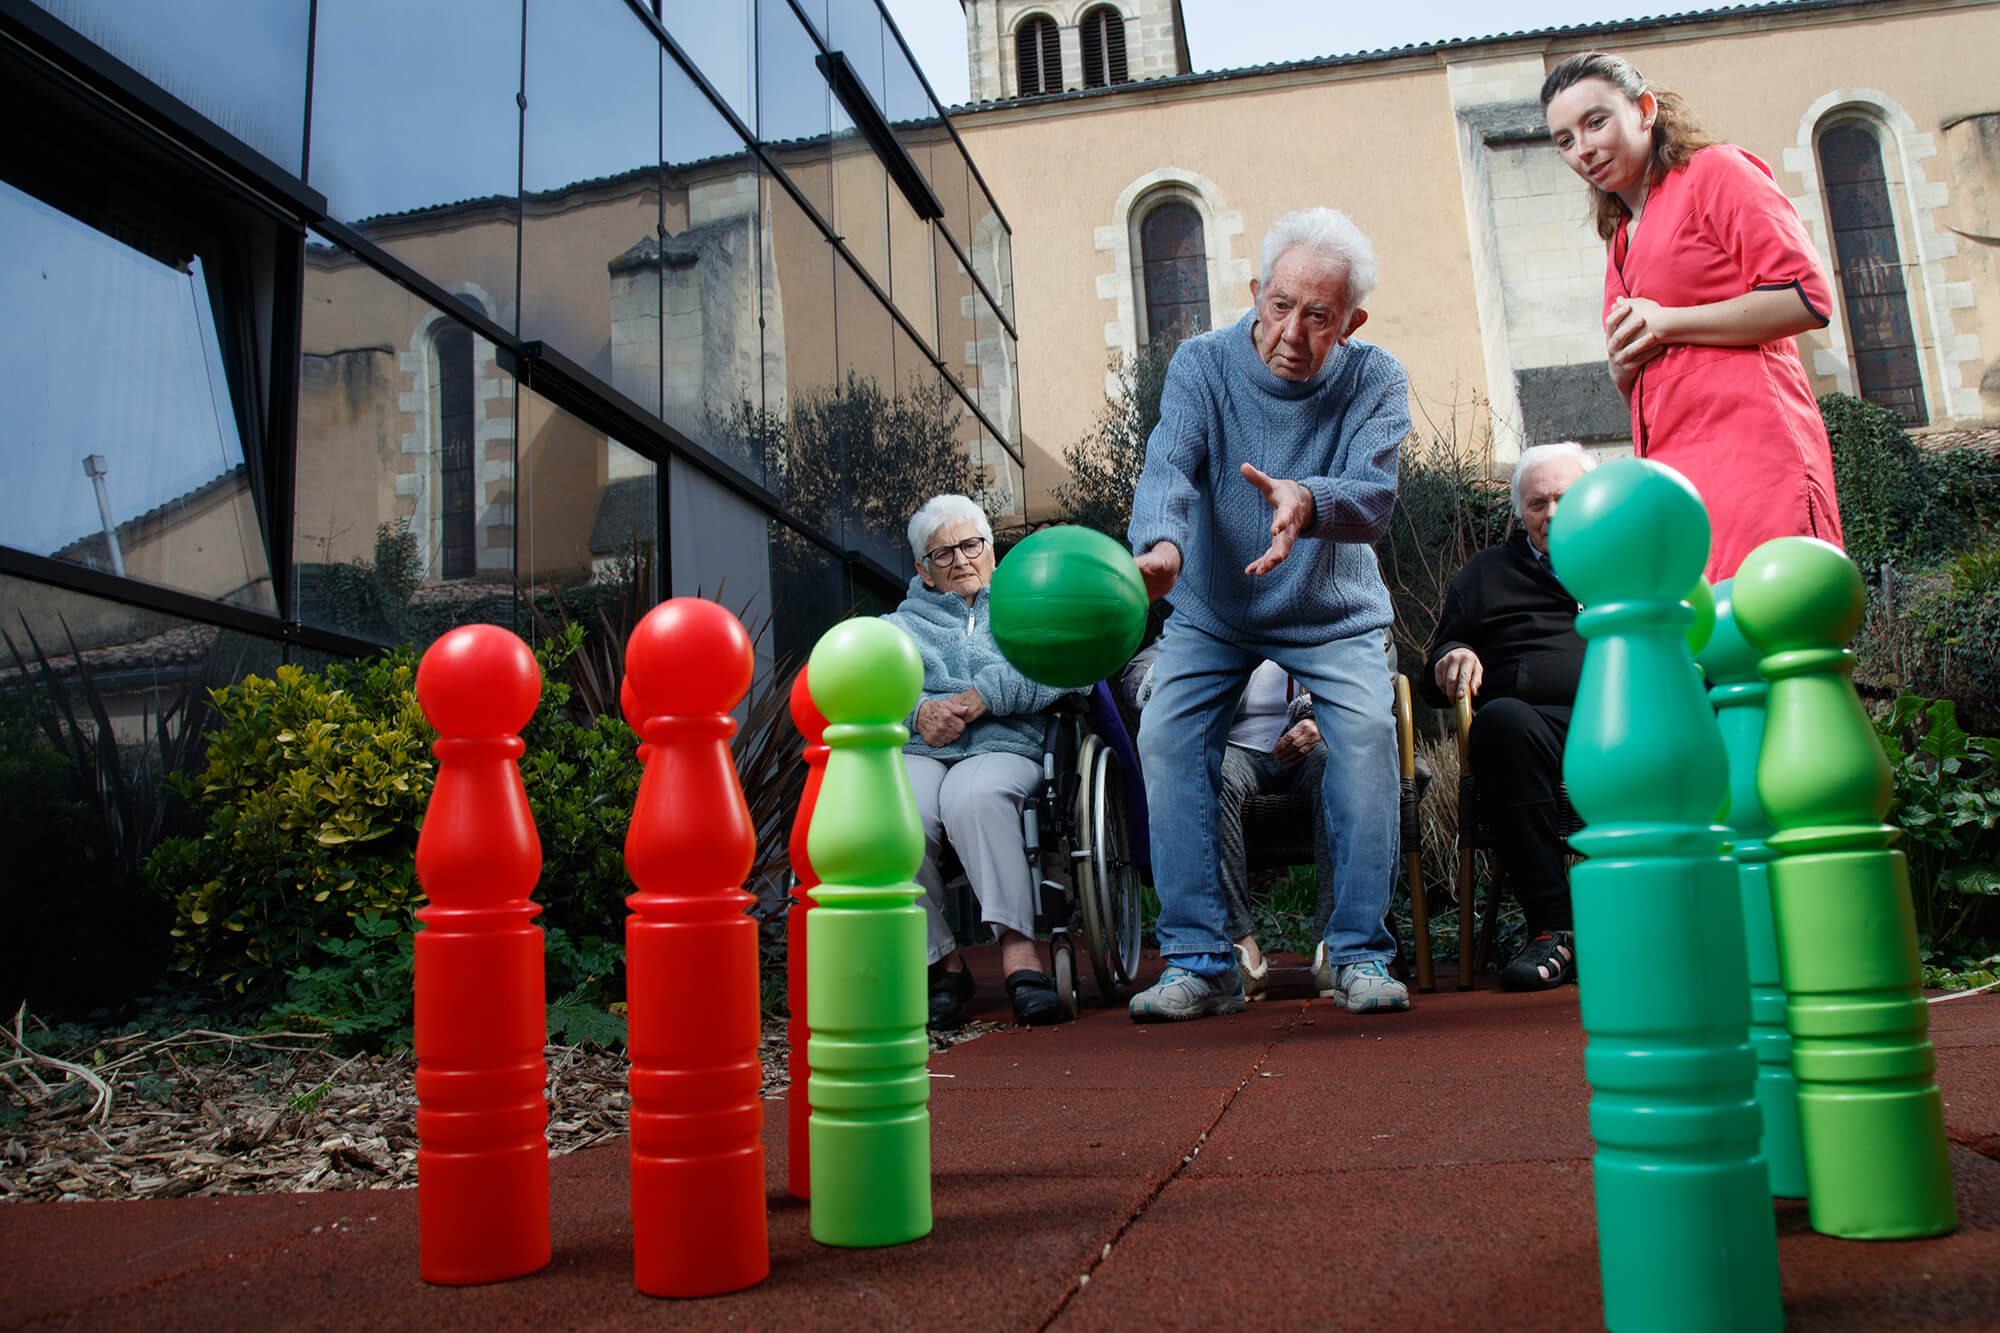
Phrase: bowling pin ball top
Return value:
(478, 680)
(1702, 599)
(865, 671)
(1631, 531)
(688, 657)
(1727, 658)
(1068, 607)
(1798, 592)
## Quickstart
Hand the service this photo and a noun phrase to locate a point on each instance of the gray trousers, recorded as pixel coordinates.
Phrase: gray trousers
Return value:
(975, 803)
(1247, 773)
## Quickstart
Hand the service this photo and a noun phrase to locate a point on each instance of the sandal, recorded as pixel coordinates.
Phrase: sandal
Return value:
(951, 990)
(1548, 961)
(1034, 997)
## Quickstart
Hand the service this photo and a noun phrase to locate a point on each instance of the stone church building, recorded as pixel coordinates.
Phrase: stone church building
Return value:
(1138, 192)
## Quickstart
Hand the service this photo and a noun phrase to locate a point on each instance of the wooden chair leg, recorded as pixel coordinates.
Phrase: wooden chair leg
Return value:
(1420, 923)
(1468, 916)
(1489, 919)
(1406, 754)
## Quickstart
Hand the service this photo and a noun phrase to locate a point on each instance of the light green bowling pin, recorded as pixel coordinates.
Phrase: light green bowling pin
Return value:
(1871, 1121)
(869, 1131)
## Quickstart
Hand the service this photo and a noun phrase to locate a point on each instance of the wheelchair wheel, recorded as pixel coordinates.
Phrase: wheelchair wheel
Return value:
(1062, 970)
(1107, 882)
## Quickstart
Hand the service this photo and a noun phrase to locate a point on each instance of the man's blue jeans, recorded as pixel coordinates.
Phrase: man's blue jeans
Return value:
(1182, 734)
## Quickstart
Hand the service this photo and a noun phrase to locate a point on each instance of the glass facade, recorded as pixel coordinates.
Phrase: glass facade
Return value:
(550, 295)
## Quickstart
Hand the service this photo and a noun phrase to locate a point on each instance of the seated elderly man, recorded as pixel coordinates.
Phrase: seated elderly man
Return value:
(1508, 636)
(1273, 750)
(974, 757)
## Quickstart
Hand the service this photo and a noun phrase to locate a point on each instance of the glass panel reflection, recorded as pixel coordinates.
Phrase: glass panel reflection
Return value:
(124, 450)
(589, 517)
(857, 34)
(722, 550)
(794, 102)
(712, 278)
(720, 37)
(861, 198)
(590, 193)
(992, 252)
(799, 364)
(912, 268)
(994, 350)
(867, 442)
(416, 136)
(809, 593)
(240, 63)
(405, 514)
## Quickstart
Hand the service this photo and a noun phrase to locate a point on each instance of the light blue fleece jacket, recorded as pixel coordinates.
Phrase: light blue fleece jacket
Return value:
(959, 652)
(1337, 434)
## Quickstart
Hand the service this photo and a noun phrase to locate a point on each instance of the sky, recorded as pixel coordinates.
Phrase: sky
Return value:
(1229, 34)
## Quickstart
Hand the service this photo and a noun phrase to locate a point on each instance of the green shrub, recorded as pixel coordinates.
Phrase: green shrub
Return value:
(1899, 502)
(1947, 802)
(314, 788)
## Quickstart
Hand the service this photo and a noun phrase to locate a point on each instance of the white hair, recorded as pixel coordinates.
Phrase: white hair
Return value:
(1330, 234)
(1535, 455)
(940, 510)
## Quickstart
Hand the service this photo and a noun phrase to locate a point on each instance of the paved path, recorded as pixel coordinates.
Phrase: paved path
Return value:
(1291, 1167)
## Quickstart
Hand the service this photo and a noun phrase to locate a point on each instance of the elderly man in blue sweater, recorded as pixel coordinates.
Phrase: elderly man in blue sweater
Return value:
(1270, 475)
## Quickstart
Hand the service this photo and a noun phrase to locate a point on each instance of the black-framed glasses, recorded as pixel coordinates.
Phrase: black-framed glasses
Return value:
(971, 548)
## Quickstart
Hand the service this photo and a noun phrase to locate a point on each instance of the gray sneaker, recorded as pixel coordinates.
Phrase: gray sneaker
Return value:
(1180, 994)
(1362, 988)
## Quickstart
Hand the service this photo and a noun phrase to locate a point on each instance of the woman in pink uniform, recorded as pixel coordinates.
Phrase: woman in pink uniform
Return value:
(1710, 278)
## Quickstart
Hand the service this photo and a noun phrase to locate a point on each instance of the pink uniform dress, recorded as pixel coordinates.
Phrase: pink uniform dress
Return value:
(1739, 422)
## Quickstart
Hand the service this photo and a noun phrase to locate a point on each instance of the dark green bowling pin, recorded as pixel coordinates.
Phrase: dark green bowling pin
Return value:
(1738, 695)
(1685, 1233)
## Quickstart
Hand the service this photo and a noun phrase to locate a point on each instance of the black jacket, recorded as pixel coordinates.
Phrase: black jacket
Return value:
(1520, 621)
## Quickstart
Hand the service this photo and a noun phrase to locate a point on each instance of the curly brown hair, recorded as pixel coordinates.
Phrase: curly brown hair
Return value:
(1677, 135)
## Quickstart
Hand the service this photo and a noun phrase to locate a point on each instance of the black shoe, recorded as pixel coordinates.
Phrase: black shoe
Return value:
(1548, 961)
(1034, 997)
(950, 992)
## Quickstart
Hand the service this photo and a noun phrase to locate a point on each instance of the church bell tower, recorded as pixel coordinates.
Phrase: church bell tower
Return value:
(1037, 48)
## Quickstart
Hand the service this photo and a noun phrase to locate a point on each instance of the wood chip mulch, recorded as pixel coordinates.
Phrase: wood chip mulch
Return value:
(206, 1113)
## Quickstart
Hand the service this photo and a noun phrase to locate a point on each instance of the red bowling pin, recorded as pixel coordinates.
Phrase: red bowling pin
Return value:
(698, 1224)
(482, 1145)
(798, 1110)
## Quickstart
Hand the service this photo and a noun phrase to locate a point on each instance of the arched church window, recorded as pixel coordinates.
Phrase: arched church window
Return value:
(1863, 227)
(1103, 33)
(1037, 56)
(457, 474)
(1173, 272)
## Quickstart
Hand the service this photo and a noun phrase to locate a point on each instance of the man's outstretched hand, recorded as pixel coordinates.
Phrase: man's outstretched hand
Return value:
(1292, 511)
(1160, 566)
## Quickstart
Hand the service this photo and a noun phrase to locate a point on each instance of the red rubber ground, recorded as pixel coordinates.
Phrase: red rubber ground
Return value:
(1290, 1167)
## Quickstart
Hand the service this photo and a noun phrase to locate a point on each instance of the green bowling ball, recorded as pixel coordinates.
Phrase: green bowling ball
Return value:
(1068, 607)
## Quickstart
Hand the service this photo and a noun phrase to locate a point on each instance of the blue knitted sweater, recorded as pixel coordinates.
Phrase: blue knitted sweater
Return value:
(959, 651)
(1337, 434)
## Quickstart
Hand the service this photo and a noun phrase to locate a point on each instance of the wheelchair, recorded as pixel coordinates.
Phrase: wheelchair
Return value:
(1087, 841)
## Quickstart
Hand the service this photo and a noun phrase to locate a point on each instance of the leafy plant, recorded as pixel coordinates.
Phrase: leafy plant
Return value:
(1947, 802)
(312, 790)
(596, 669)
(1900, 502)
(1448, 508)
(1104, 465)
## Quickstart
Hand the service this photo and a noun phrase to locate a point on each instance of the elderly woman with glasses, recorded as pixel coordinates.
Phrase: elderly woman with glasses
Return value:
(974, 757)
